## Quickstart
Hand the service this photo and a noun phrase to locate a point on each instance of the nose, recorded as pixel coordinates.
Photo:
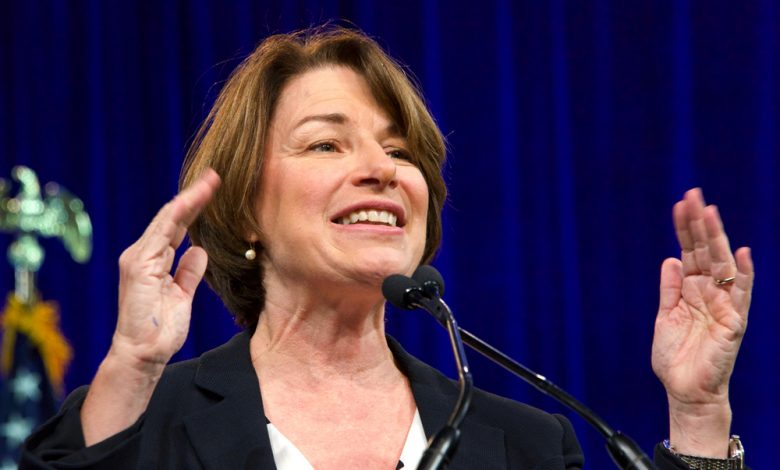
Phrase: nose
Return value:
(374, 168)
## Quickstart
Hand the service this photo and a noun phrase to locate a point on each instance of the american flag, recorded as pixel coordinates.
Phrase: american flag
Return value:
(34, 355)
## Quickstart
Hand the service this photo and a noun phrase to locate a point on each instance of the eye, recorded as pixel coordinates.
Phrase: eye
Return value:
(327, 146)
(399, 154)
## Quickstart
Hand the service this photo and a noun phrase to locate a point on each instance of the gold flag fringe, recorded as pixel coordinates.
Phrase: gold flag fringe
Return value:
(40, 323)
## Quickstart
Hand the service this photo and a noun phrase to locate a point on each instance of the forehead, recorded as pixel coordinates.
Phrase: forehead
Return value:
(326, 90)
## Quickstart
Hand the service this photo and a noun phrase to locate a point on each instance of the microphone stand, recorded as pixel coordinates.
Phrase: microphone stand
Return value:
(626, 454)
(444, 443)
(423, 292)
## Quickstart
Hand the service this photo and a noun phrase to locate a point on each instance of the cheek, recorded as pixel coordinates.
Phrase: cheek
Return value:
(423, 196)
(417, 189)
(269, 205)
(294, 197)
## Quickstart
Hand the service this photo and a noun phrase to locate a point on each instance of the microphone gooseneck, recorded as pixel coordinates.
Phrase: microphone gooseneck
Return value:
(407, 293)
(423, 291)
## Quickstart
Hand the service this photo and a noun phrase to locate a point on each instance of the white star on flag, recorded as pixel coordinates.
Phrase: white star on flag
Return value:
(16, 429)
(8, 464)
(26, 386)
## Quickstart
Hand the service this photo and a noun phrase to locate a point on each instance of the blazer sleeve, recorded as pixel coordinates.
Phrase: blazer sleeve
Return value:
(59, 443)
(573, 458)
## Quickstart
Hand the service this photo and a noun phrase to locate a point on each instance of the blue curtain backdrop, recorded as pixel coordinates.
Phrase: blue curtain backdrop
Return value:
(573, 127)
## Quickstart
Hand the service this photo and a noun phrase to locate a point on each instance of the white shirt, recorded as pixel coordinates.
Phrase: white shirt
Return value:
(288, 457)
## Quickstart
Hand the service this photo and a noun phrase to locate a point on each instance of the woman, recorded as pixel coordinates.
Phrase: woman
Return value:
(330, 181)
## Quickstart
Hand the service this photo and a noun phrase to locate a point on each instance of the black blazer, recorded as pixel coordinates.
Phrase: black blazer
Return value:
(208, 413)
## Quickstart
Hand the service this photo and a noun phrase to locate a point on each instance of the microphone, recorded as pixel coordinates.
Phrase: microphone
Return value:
(430, 279)
(425, 286)
(401, 291)
(407, 293)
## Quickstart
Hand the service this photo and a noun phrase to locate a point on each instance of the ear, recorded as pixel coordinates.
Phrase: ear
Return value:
(254, 236)
(251, 231)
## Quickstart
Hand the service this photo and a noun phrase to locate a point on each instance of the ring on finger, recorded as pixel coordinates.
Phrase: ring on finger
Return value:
(725, 281)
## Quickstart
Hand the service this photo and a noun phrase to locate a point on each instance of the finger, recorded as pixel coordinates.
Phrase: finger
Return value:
(170, 225)
(192, 266)
(671, 285)
(684, 237)
(743, 284)
(697, 229)
(722, 264)
(164, 262)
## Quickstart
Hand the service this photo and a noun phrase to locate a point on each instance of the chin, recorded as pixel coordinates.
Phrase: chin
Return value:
(375, 269)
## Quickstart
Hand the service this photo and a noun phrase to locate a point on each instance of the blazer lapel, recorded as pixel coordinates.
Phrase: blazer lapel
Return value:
(481, 446)
(232, 433)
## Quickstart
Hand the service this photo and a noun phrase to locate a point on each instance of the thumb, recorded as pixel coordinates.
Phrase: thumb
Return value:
(671, 284)
(192, 266)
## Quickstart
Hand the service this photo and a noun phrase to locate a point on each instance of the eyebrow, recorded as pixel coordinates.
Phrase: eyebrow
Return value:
(333, 118)
(341, 119)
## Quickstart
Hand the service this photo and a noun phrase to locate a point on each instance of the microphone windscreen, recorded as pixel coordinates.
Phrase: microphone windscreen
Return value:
(395, 287)
(427, 273)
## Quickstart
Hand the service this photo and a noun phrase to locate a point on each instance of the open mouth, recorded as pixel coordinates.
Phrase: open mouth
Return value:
(369, 216)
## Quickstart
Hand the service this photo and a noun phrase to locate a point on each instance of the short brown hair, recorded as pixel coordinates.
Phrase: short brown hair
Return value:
(232, 141)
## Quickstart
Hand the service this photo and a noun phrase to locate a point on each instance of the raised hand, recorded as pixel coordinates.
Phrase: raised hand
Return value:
(701, 320)
(154, 314)
(155, 306)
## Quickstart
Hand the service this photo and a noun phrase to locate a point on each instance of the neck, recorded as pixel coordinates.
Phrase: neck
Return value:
(322, 333)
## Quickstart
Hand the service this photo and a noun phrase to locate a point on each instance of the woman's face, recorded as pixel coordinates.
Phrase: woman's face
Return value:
(338, 199)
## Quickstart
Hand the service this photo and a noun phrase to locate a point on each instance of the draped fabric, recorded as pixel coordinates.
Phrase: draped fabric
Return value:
(572, 129)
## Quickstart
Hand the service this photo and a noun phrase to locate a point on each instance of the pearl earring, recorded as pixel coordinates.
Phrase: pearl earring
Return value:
(250, 254)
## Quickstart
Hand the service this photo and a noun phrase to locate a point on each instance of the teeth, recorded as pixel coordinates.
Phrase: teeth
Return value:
(370, 215)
